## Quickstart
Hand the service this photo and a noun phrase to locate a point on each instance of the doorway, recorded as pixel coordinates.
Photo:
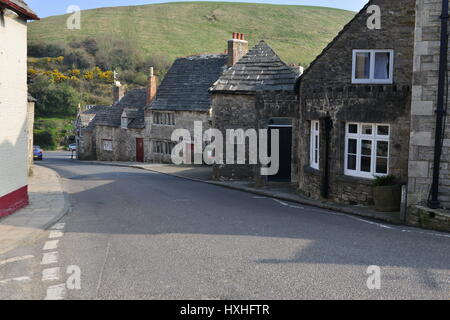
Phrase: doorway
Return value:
(285, 148)
(139, 150)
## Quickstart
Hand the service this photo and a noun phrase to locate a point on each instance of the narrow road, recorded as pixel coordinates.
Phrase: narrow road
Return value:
(135, 234)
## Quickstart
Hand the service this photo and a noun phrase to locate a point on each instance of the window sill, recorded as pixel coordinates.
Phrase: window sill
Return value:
(354, 179)
(311, 170)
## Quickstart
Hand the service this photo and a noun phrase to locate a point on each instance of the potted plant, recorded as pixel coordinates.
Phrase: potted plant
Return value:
(387, 194)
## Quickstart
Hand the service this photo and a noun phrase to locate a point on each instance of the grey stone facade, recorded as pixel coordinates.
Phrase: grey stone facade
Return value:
(328, 95)
(423, 116)
(255, 93)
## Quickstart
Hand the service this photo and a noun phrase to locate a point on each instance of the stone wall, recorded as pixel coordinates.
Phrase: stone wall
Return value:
(423, 117)
(156, 132)
(249, 111)
(233, 111)
(123, 143)
(327, 92)
(86, 144)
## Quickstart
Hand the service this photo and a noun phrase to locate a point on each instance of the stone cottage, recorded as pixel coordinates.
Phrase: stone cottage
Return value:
(120, 131)
(182, 99)
(256, 92)
(14, 121)
(85, 125)
(355, 102)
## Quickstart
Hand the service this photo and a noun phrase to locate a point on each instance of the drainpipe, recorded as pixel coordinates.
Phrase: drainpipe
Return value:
(325, 185)
(440, 110)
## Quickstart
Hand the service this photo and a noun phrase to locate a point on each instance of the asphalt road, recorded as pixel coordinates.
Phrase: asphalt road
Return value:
(135, 234)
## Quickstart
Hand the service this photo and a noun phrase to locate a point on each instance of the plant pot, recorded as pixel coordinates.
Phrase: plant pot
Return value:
(387, 198)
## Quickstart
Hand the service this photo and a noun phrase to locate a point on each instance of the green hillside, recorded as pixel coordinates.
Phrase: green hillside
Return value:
(297, 33)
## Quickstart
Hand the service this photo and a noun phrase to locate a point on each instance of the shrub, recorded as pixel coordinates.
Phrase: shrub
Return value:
(381, 181)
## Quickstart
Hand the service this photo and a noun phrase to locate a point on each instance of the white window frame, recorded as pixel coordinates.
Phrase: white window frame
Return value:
(124, 122)
(315, 136)
(372, 79)
(161, 118)
(375, 138)
(107, 145)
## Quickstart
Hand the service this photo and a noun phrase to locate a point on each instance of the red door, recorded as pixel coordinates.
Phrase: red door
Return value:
(139, 150)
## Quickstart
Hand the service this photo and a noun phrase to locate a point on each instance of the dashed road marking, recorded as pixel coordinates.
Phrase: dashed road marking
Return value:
(11, 260)
(59, 226)
(18, 279)
(51, 245)
(56, 292)
(55, 234)
(50, 274)
(49, 258)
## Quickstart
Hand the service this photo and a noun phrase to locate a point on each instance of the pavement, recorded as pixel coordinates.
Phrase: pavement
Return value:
(280, 191)
(135, 234)
(47, 205)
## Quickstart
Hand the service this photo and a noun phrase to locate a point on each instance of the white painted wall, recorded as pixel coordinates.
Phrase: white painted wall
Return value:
(13, 103)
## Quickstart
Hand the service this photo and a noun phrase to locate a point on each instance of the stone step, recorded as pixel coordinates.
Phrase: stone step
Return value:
(444, 190)
(444, 197)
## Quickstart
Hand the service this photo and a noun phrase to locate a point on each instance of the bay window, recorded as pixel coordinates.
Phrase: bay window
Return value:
(367, 150)
(373, 66)
(315, 145)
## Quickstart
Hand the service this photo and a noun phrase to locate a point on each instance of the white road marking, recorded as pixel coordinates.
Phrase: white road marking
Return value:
(59, 226)
(18, 279)
(51, 245)
(56, 292)
(50, 274)
(49, 258)
(55, 234)
(11, 260)
(281, 202)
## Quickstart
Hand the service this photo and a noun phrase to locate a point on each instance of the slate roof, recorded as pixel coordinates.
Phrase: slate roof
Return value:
(260, 69)
(20, 7)
(186, 85)
(89, 117)
(134, 100)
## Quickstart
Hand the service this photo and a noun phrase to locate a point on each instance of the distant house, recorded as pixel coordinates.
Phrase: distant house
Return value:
(85, 125)
(14, 129)
(355, 103)
(182, 99)
(119, 131)
(256, 92)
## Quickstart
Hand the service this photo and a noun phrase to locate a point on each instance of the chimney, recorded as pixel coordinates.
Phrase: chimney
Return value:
(118, 91)
(152, 87)
(237, 48)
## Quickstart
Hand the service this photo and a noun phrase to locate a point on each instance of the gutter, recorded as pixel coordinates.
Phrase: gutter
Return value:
(27, 14)
(440, 110)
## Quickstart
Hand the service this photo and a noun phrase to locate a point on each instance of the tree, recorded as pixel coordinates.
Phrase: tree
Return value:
(54, 99)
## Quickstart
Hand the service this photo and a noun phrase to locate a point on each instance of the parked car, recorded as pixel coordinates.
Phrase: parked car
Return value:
(37, 153)
(73, 147)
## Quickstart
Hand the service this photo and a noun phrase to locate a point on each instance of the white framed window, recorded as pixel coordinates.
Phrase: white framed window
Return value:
(315, 145)
(373, 66)
(367, 150)
(163, 147)
(164, 118)
(124, 123)
(107, 145)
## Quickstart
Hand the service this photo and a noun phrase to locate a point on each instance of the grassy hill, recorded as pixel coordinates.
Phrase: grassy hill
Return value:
(297, 33)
